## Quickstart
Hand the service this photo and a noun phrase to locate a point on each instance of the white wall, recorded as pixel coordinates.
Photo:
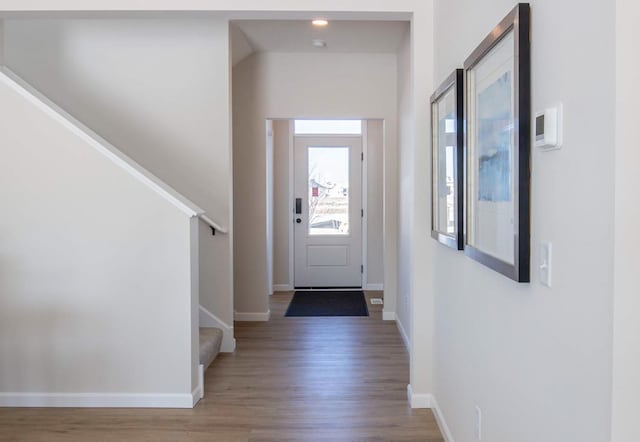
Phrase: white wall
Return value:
(375, 185)
(270, 196)
(97, 274)
(274, 85)
(414, 248)
(626, 343)
(405, 137)
(538, 360)
(282, 213)
(159, 91)
(375, 203)
(422, 82)
(1, 41)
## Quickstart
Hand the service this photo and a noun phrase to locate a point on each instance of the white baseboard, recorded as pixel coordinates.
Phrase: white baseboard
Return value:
(208, 319)
(100, 400)
(200, 389)
(252, 316)
(429, 401)
(375, 287)
(417, 400)
(388, 316)
(282, 287)
(198, 392)
(403, 334)
(442, 424)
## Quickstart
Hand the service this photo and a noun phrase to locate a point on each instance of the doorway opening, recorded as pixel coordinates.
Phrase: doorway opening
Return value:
(325, 203)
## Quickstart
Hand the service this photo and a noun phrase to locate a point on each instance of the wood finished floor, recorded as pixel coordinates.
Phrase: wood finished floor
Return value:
(291, 379)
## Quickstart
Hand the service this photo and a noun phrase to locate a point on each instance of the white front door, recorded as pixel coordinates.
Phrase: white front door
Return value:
(328, 211)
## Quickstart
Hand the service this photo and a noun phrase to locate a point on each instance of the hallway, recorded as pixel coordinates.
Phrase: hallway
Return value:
(291, 379)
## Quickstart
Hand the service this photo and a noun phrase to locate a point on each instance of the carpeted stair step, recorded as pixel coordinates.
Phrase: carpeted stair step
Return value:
(210, 341)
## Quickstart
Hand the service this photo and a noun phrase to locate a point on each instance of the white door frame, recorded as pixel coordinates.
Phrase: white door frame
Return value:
(365, 215)
(270, 201)
(291, 196)
(363, 186)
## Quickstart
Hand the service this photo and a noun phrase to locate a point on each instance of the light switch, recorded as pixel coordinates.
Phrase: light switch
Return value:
(545, 263)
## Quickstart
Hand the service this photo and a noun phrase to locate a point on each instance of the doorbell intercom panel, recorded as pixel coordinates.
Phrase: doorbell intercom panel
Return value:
(548, 128)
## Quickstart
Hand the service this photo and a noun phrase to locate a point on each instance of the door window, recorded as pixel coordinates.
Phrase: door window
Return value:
(328, 178)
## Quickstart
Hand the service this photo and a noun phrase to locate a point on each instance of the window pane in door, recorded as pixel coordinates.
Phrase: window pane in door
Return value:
(328, 190)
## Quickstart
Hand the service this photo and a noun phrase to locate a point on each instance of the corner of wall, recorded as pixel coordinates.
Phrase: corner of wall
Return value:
(229, 310)
(626, 305)
(419, 400)
(403, 333)
(194, 261)
(420, 251)
(429, 401)
(440, 420)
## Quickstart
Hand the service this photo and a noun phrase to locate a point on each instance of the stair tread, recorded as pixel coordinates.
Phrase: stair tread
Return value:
(210, 342)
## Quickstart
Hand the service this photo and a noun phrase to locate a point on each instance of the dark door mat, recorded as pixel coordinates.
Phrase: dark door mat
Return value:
(329, 303)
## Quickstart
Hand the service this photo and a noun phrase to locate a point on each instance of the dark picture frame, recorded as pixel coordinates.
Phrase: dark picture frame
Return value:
(498, 147)
(447, 161)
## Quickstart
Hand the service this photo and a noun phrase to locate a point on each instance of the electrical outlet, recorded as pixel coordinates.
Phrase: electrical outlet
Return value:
(377, 301)
(478, 423)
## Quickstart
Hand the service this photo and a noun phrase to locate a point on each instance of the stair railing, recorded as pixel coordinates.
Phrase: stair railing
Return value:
(215, 227)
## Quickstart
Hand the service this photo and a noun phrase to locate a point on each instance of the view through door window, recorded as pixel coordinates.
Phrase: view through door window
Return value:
(328, 190)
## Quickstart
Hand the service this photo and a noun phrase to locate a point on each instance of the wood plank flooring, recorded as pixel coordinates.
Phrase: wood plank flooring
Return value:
(291, 379)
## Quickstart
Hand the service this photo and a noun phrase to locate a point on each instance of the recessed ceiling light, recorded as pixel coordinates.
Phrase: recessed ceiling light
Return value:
(320, 22)
(317, 43)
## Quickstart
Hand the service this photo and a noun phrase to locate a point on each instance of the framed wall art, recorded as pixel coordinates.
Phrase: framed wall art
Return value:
(447, 165)
(498, 147)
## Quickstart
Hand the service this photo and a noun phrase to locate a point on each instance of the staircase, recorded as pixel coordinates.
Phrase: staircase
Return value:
(118, 243)
(210, 342)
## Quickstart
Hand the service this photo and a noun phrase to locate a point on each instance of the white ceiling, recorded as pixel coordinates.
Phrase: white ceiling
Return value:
(296, 36)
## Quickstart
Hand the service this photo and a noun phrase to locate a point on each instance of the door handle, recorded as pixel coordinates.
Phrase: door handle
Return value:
(298, 206)
(298, 220)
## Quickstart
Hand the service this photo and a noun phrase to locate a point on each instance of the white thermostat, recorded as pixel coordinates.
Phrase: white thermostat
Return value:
(548, 128)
